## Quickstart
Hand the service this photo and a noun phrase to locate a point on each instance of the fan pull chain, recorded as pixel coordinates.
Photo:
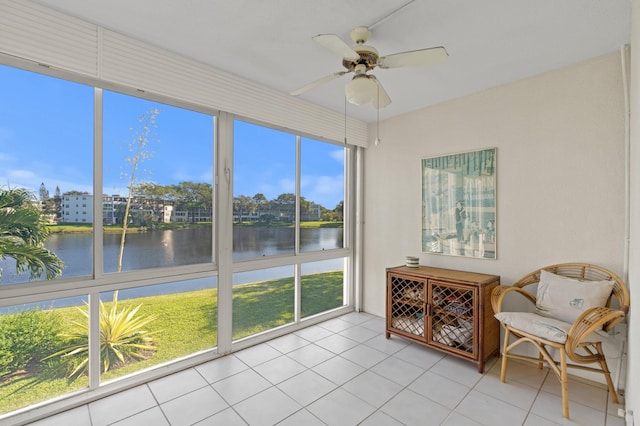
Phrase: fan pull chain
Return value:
(345, 120)
(377, 141)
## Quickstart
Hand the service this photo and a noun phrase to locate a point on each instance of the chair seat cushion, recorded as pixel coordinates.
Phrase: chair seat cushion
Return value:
(543, 327)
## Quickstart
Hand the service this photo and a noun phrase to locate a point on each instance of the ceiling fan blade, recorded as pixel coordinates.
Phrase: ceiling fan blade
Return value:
(380, 99)
(317, 83)
(414, 58)
(336, 45)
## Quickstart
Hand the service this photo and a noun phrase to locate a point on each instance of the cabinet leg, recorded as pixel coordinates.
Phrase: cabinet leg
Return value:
(387, 334)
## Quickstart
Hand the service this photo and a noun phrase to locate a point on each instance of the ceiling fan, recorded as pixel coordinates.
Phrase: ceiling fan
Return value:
(365, 88)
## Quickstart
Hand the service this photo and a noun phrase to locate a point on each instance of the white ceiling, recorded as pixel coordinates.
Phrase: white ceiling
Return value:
(490, 42)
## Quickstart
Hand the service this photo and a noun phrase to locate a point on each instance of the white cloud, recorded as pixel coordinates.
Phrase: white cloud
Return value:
(327, 191)
(337, 155)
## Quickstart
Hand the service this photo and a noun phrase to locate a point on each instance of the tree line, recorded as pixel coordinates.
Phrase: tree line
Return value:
(192, 196)
(284, 205)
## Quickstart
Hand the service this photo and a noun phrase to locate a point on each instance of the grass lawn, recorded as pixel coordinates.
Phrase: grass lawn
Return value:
(187, 323)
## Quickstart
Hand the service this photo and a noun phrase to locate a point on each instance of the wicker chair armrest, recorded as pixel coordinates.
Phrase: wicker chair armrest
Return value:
(591, 320)
(499, 292)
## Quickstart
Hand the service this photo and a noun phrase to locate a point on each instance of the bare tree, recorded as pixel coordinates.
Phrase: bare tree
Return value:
(140, 152)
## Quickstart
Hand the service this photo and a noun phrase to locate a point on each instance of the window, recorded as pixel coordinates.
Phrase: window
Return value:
(262, 299)
(322, 195)
(176, 319)
(278, 198)
(157, 191)
(46, 147)
(158, 173)
(322, 286)
(31, 335)
(264, 200)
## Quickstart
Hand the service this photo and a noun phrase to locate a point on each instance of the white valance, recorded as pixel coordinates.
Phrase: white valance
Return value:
(36, 33)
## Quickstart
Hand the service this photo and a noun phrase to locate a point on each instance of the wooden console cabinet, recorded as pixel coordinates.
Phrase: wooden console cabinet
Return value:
(444, 309)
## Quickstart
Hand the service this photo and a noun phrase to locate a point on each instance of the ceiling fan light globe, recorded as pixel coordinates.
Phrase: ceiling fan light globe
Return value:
(360, 91)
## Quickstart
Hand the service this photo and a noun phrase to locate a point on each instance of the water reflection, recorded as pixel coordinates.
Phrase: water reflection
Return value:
(164, 248)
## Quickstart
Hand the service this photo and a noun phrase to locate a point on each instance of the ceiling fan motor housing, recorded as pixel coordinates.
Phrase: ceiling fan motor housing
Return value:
(368, 57)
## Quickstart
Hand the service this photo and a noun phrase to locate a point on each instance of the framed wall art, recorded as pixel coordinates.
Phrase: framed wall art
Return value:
(459, 204)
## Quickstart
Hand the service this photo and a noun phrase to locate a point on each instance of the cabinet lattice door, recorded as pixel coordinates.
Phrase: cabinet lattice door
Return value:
(444, 309)
(452, 316)
(409, 305)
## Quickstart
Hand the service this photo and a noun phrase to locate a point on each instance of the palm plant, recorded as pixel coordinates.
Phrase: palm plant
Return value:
(23, 232)
(122, 338)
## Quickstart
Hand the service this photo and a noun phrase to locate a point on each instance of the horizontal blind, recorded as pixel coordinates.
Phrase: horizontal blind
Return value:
(45, 36)
(36, 33)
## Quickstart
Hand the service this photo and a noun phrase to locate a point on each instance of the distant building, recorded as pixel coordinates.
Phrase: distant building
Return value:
(77, 208)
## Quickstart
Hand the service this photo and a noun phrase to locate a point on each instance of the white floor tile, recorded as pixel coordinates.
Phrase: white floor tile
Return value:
(221, 368)
(302, 417)
(372, 388)
(341, 408)
(279, 369)
(257, 354)
(121, 405)
(338, 370)
(241, 386)
(549, 406)
(373, 381)
(336, 325)
(535, 420)
(336, 343)
(380, 419)
(357, 317)
(389, 346)
(358, 333)
(227, 417)
(288, 343)
(193, 407)
(177, 384)
(457, 419)
(313, 333)
(412, 409)
(490, 411)
(511, 392)
(376, 324)
(267, 407)
(153, 416)
(589, 395)
(615, 420)
(307, 387)
(364, 355)
(456, 369)
(397, 370)
(521, 372)
(440, 389)
(419, 355)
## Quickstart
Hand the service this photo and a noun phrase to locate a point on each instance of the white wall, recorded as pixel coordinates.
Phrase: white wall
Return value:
(560, 148)
(633, 384)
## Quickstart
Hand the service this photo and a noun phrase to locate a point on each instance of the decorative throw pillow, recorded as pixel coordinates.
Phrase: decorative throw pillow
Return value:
(567, 298)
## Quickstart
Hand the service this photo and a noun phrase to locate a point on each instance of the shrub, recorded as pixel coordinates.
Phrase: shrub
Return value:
(122, 339)
(27, 337)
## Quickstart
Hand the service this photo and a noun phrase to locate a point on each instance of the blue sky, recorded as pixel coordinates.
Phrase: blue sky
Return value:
(46, 135)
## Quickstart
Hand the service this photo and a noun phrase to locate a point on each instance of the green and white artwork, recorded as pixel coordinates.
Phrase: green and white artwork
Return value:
(459, 204)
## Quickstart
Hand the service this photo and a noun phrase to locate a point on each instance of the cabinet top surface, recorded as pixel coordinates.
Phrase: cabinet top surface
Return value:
(429, 272)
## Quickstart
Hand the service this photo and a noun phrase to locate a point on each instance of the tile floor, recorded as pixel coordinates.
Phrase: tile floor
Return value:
(344, 372)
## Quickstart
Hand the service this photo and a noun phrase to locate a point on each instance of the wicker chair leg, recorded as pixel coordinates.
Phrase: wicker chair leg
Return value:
(503, 371)
(564, 383)
(607, 373)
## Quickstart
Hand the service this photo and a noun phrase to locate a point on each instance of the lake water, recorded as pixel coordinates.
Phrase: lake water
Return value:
(184, 247)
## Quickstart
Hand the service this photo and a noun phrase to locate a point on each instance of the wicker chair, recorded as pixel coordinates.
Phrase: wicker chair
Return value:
(580, 344)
